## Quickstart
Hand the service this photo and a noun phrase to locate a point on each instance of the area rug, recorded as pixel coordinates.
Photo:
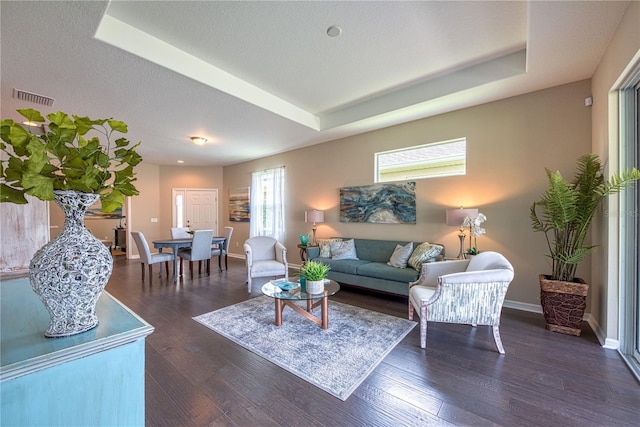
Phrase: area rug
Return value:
(336, 360)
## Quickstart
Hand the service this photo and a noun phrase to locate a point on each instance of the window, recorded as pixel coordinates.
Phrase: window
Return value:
(267, 203)
(179, 210)
(444, 158)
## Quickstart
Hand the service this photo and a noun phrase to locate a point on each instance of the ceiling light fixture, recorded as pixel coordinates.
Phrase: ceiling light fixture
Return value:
(334, 31)
(198, 140)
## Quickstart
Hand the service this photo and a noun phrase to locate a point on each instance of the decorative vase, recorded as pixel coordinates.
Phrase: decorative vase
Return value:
(563, 304)
(70, 272)
(315, 286)
(304, 239)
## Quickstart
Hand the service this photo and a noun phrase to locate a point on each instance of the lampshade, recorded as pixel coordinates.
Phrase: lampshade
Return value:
(456, 217)
(314, 216)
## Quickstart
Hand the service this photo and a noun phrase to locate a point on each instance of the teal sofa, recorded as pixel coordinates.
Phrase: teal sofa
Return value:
(370, 270)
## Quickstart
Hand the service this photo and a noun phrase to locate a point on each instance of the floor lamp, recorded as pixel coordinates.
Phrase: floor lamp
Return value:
(314, 216)
(455, 217)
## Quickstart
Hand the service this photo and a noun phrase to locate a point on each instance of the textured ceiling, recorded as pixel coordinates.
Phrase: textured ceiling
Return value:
(258, 78)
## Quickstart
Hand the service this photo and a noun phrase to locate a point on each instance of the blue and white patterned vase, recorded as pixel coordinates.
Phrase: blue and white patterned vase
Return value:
(70, 272)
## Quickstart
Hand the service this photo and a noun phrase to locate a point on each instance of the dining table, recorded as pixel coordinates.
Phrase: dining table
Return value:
(176, 244)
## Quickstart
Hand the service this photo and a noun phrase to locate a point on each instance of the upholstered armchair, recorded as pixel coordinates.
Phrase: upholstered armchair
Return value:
(465, 291)
(266, 257)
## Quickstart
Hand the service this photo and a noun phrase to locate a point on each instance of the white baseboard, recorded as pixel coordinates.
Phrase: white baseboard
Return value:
(533, 308)
(611, 344)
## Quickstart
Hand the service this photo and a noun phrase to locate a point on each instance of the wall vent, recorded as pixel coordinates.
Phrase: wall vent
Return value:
(32, 97)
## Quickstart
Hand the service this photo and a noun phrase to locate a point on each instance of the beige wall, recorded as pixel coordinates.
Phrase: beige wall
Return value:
(604, 286)
(144, 207)
(509, 143)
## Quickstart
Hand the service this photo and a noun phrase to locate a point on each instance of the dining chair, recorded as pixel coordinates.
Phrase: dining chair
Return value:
(180, 233)
(265, 257)
(468, 292)
(147, 258)
(200, 250)
(224, 250)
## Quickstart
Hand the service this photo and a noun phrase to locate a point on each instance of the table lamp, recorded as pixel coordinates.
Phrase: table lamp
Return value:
(314, 216)
(455, 217)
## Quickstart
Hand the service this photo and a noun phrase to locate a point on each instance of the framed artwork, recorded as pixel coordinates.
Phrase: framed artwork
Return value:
(239, 204)
(95, 212)
(380, 203)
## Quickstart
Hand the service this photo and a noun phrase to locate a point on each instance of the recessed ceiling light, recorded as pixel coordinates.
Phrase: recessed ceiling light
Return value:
(181, 161)
(334, 31)
(198, 140)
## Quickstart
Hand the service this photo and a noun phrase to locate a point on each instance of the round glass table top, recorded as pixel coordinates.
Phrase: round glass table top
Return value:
(291, 290)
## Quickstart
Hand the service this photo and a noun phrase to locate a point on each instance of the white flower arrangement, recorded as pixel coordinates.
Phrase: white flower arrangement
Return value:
(474, 231)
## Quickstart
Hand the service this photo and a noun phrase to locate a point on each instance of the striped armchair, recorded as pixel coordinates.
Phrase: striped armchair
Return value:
(465, 291)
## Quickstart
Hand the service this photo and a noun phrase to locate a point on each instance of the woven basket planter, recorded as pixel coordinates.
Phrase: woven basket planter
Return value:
(563, 304)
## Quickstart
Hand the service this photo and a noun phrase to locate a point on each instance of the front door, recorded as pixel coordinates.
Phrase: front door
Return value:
(195, 208)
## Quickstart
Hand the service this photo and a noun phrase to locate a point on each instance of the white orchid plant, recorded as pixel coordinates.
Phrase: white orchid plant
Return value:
(474, 231)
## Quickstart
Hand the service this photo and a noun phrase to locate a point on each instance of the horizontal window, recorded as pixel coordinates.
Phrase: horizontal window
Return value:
(438, 159)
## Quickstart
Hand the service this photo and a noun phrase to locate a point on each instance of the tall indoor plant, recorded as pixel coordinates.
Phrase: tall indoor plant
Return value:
(66, 161)
(564, 214)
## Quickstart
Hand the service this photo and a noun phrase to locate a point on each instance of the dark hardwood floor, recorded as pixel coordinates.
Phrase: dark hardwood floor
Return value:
(195, 377)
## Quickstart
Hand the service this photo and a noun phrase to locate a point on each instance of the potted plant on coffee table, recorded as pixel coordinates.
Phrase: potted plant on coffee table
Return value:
(66, 161)
(314, 273)
(564, 214)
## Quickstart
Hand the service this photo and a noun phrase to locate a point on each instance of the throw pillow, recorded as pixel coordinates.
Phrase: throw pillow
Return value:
(423, 253)
(400, 255)
(344, 249)
(325, 247)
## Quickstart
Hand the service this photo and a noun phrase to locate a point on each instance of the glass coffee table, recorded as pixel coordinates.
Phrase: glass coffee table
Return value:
(287, 292)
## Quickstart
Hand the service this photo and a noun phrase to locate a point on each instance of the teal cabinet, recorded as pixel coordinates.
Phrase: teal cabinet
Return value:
(92, 379)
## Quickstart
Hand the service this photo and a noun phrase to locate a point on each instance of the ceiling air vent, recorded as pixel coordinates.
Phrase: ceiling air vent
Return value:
(33, 97)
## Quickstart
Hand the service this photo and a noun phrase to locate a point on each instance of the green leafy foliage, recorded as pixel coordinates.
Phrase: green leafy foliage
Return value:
(314, 270)
(63, 159)
(566, 209)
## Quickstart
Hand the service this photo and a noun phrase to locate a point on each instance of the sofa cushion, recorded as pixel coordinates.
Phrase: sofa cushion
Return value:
(348, 266)
(400, 255)
(425, 252)
(383, 271)
(345, 249)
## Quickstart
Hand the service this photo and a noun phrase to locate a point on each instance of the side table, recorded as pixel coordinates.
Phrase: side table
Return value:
(303, 251)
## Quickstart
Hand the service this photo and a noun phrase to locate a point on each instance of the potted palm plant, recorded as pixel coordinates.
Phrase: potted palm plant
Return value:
(564, 214)
(66, 161)
(314, 273)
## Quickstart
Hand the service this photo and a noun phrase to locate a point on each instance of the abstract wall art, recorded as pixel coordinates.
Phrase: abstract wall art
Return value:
(380, 203)
(239, 204)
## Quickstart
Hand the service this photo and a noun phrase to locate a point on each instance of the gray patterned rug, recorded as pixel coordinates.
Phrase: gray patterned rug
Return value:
(336, 360)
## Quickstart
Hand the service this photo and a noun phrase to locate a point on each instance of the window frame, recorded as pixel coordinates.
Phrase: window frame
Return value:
(451, 168)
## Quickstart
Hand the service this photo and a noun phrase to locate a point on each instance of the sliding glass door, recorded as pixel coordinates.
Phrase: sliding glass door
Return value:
(630, 227)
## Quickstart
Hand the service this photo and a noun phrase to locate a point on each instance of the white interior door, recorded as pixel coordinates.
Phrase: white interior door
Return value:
(195, 208)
